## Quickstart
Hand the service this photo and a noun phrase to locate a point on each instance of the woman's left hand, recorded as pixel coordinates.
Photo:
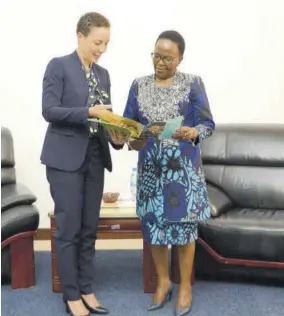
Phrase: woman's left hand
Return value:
(186, 133)
(117, 138)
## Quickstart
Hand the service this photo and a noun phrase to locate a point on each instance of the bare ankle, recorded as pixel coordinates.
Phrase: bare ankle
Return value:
(185, 286)
(164, 281)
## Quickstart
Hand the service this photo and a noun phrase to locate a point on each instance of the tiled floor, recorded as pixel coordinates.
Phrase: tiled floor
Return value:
(44, 245)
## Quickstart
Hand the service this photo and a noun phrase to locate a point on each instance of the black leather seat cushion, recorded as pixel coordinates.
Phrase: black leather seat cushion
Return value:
(242, 233)
(19, 219)
(15, 194)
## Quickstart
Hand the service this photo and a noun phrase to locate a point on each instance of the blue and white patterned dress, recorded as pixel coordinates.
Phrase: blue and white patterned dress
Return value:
(171, 188)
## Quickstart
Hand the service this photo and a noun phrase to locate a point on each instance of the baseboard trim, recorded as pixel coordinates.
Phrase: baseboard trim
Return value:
(42, 234)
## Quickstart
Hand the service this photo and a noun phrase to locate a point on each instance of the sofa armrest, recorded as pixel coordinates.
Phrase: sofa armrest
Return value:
(220, 203)
(14, 195)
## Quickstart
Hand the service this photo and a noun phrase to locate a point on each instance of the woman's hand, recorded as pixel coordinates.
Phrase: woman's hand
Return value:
(104, 106)
(137, 144)
(100, 111)
(117, 138)
(186, 133)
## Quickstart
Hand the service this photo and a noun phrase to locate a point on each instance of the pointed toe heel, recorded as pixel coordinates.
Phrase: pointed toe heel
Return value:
(99, 310)
(182, 311)
(168, 297)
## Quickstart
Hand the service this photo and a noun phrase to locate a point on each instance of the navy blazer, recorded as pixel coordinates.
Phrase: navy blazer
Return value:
(64, 106)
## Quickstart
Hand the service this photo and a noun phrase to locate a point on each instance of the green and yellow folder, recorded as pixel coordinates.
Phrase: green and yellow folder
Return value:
(132, 129)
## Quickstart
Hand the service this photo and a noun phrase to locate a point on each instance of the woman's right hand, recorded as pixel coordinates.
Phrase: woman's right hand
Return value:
(137, 144)
(100, 110)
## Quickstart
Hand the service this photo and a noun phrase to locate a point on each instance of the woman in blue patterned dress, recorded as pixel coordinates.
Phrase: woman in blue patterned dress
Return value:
(171, 188)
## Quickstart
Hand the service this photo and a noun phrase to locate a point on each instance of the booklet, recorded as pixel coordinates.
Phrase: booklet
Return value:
(171, 127)
(163, 129)
(125, 126)
(133, 129)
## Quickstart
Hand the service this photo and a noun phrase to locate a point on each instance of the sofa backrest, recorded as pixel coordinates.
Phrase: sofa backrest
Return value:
(7, 157)
(246, 161)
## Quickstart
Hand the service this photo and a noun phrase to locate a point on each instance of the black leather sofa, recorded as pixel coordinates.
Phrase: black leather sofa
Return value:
(244, 170)
(20, 220)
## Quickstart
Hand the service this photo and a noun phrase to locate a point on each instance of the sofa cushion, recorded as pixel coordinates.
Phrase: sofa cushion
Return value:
(246, 161)
(19, 219)
(245, 145)
(15, 194)
(219, 201)
(249, 186)
(253, 234)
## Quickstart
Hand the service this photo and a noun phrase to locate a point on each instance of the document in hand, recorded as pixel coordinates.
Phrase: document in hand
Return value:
(171, 127)
(120, 124)
(133, 129)
(162, 129)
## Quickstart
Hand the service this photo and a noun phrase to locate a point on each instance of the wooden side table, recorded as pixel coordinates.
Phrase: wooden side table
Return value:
(117, 221)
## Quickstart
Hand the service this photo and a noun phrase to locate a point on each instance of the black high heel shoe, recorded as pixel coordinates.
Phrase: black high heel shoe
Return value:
(167, 298)
(99, 310)
(68, 310)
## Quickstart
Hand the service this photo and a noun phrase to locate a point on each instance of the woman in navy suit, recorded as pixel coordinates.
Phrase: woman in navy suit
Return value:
(75, 153)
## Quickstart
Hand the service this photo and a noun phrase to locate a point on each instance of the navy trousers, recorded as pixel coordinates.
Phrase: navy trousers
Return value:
(77, 200)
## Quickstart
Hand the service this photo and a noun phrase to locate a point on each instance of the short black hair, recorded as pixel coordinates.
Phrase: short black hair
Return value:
(175, 37)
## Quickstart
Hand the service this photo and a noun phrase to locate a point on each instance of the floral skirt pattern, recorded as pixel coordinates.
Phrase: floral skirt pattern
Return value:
(169, 234)
(171, 192)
